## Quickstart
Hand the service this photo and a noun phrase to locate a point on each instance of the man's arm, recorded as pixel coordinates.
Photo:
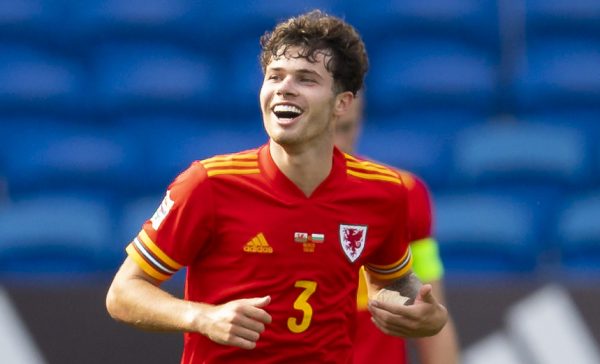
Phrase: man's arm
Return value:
(424, 317)
(136, 298)
(442, 347)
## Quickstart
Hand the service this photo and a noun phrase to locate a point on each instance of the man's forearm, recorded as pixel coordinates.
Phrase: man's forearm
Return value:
(140, 303)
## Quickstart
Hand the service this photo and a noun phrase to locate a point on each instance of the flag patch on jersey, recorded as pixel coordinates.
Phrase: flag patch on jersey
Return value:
(258, 244)
(162, 211)
(309, 241)
(353, 239)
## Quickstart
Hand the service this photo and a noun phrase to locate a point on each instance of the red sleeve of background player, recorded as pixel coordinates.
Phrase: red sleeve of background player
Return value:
(177, 231)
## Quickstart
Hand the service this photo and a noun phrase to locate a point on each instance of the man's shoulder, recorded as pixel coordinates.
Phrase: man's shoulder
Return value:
(365, 169)
(410, 179)
(232, 164)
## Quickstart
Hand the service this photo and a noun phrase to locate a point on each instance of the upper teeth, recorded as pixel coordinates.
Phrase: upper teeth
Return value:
(287, 108)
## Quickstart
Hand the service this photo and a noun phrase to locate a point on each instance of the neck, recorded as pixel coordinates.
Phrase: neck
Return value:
(306, 167)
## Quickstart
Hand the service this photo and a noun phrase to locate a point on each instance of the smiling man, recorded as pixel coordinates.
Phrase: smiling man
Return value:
(273, 238)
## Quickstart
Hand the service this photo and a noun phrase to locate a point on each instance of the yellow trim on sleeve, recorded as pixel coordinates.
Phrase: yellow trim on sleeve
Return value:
(144, 265)
(394, 275)
(156, 250)
(406, 267)
(427, 263)
(395, 264)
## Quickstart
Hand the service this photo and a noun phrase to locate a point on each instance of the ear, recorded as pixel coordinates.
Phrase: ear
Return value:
(343, 102)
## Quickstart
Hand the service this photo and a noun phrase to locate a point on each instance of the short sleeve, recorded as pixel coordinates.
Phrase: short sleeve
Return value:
(394, 259)
(179, 229)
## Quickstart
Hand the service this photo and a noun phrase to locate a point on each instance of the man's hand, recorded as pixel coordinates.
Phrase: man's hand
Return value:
(426, 317)
(236, 323)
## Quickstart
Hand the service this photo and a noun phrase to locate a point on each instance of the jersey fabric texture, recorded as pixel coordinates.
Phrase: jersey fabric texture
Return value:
(244, 230)
(372, 345)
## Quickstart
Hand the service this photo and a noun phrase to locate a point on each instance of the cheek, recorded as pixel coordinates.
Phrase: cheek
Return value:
(265, 95)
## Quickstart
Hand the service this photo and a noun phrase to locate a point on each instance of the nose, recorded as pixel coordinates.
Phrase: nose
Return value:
(286, 87)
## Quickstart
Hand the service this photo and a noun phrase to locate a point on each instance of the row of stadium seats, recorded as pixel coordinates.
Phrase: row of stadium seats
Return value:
(495, 103)
(185, 56)
(146, 77)
(509, 194)
(141, 156)
(493, 232)
(68, 21)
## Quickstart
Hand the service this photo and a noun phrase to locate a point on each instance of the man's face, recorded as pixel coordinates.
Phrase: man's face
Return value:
(297, 99)
(347, 127)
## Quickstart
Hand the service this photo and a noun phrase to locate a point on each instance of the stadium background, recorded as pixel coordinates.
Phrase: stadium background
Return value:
(495, 103)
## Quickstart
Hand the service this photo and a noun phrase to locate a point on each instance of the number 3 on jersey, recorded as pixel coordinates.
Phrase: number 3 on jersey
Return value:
(301, 304)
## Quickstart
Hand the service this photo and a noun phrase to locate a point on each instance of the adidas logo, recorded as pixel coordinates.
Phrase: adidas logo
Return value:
(258, 244)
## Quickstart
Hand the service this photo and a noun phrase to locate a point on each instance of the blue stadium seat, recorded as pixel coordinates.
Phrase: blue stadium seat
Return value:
(54, 234)
(426, 74)
(558, 73)
(470, 20)
(36, 80)
(57, 154)
(552, 17)
(175, 21)
(578, 233)
(134, 213)
(35, 21)
(170, 144)
(245, 79)
(253, 18)
(487, 232)
(511, 153)
(156, 77)
(414, 150)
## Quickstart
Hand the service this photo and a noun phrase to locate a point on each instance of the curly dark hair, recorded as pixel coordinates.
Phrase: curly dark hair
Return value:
(318, 33)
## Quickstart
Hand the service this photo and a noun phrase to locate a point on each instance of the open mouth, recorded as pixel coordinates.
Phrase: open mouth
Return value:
(287, 112)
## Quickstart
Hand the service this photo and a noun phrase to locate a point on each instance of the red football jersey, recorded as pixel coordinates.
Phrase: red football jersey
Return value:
(245, 230)
(372, 345)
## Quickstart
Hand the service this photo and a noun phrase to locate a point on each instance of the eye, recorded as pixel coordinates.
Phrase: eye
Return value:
(307, 80)
(274, 77)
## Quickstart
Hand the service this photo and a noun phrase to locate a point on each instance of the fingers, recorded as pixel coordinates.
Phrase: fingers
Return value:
(254, 309)
(398, 319)
(388, 307)
(426, 294)
(424, 318)
(394, 331)
(257, 302)
(240, 323)
(394, 324)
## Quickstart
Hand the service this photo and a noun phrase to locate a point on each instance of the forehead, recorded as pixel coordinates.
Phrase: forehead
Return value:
(292, 60)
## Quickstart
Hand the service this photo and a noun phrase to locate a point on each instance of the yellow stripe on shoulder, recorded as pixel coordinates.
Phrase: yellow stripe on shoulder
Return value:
(230, 164)
(371, 170)
(246, 156)
(217, 172)
(371, 167)
(372, 176)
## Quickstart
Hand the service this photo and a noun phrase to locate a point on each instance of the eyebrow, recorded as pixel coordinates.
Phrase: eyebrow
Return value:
(300, 71)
